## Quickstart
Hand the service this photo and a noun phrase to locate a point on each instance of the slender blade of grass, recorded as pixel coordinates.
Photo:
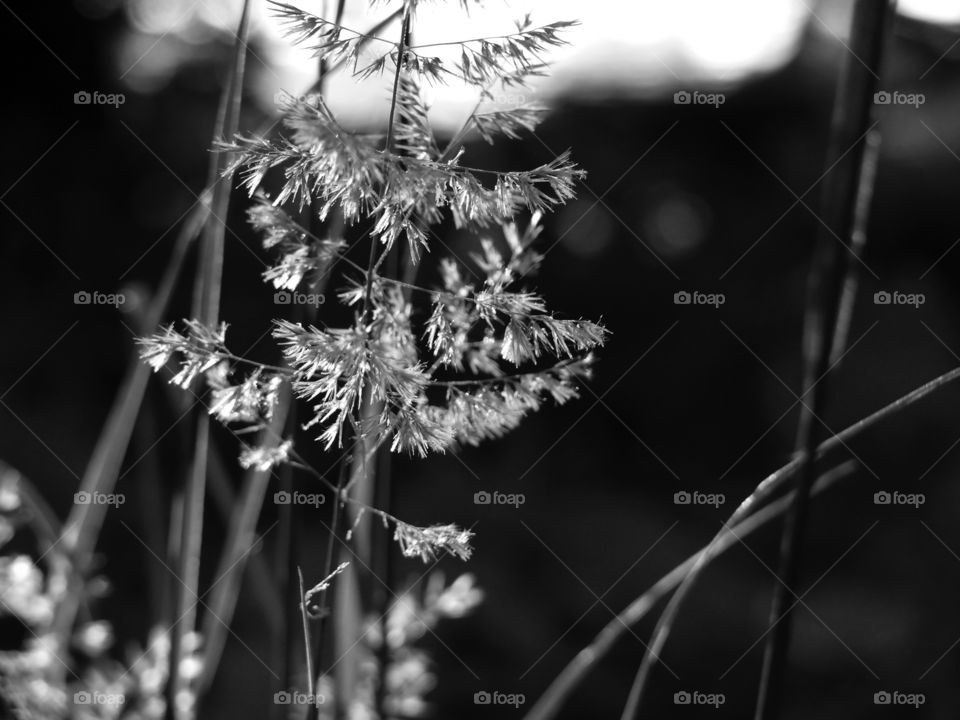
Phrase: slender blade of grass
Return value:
(832, 266)
(727, 538)
(348, 606)
(348, 596)
(576, 671)
(83, 524)
(207, 309)
(858, 241)
(550, 702)
(233, 562)
(307, 646)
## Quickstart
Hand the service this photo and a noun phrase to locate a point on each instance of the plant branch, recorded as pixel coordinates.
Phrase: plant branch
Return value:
(552, 700)
(84, 522)
(241, 535)
(387, 148)
(206, 307)
(831, 265)
(307, 645)
(725, 539)
(858, 241)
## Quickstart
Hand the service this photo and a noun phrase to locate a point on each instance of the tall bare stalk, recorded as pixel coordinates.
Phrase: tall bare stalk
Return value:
(206, 308)
(832, 264)
(551, 702)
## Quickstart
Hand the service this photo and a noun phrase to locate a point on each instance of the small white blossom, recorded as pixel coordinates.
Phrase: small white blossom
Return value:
(427, 543)
(263, 458)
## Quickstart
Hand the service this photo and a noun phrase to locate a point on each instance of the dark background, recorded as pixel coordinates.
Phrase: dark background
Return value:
(689, 397)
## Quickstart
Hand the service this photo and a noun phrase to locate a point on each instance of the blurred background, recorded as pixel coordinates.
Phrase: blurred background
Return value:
(709, 198)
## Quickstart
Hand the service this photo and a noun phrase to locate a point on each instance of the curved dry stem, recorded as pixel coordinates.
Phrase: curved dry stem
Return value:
(560, 689)
(549, 704)
(206, 307)
(241, 538)
(82, 526)
(725, 539)
(832, 268)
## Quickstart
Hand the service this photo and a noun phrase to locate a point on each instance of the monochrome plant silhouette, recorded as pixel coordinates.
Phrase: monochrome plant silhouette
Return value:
(418, 369)
(397, 350)
(403, 348)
